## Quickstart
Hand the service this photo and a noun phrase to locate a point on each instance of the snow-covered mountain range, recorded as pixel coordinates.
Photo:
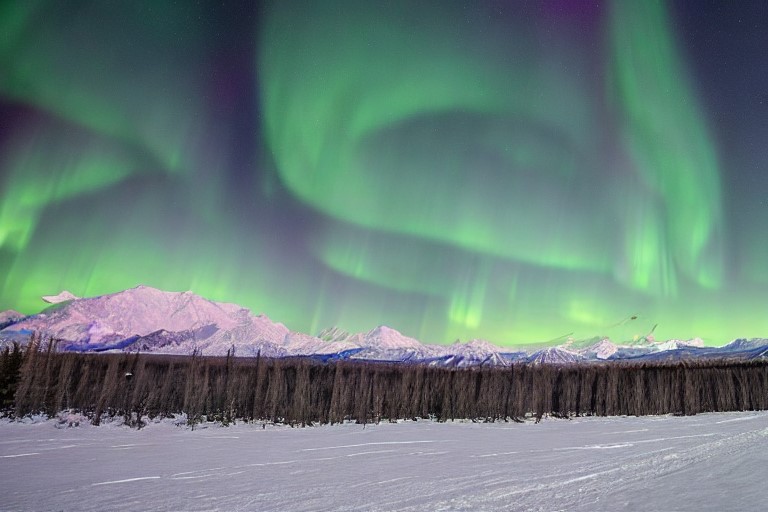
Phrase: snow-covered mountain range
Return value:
(149, 320)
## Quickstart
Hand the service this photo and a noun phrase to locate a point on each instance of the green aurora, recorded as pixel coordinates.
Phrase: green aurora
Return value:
(516, 172)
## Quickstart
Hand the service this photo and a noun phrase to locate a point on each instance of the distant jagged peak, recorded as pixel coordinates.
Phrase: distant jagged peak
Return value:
(604, 348)
(746, 344)
(480, 343)
(676, 344)
(599, 348)
(386, 337)
(64, 296)
(304, 344)
(475, 346)
(384, 330)
(334, 334)
(10, 315)
(554, 355)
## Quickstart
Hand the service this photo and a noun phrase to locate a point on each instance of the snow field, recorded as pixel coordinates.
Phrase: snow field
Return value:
(704, 462)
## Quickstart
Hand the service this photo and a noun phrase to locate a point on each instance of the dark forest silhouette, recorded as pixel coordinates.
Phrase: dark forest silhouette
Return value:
(302, 391)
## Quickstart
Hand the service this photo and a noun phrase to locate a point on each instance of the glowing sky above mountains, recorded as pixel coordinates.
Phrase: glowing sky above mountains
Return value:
(515, 171)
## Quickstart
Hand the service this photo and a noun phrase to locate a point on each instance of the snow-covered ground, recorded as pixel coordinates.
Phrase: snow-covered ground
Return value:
(706, 462)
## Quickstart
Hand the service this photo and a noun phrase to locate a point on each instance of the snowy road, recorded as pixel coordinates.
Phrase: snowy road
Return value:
(705, 462)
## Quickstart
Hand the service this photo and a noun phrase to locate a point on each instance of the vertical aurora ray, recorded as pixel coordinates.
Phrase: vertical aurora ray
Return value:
(670, 149)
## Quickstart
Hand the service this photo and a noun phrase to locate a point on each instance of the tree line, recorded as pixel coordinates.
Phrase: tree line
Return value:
(303, 391)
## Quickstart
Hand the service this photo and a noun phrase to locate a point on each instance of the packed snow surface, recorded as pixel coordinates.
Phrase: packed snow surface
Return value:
(705, 462)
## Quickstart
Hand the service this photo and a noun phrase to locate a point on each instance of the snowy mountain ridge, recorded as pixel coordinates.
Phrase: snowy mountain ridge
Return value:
(151, 320)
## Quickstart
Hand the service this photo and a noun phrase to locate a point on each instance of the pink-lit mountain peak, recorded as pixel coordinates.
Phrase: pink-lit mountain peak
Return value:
(475, 347)
(387, 338)
(10, 315)
(150, 320)
(137, 312)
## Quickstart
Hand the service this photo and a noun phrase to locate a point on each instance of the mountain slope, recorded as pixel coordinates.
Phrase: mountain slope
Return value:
(151, 320)
(155, 320)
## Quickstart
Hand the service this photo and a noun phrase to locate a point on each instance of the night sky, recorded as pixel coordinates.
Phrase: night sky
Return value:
(518, 171)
